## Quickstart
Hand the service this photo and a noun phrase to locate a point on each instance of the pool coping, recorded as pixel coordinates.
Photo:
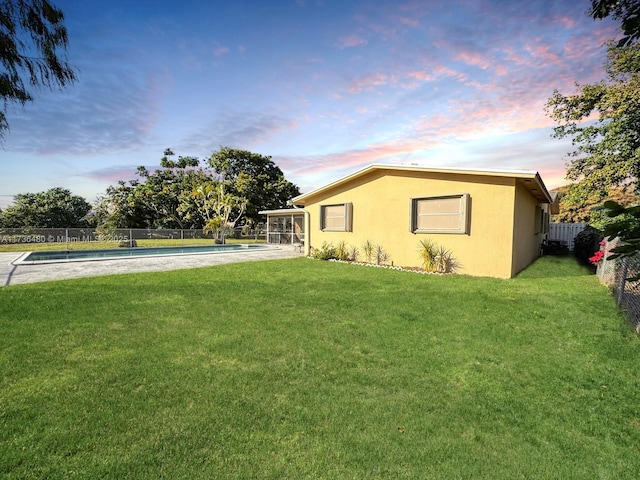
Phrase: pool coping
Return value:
(22, 259)
(12, 273)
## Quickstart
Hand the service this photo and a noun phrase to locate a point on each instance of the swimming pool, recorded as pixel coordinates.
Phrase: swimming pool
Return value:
(113, 253)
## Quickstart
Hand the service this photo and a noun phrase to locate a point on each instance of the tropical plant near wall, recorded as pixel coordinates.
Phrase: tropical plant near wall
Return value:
(353, 253)
(368, 249)
(437, 259)
(326, 252)
(342, 250)
(382, 256)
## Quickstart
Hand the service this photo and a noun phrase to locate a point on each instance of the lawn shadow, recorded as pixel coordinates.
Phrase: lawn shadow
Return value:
(555, 266)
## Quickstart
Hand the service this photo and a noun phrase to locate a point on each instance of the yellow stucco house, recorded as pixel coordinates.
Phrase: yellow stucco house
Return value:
(492, 221)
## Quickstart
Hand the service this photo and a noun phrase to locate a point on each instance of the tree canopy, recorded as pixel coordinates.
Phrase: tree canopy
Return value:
(626, 11)
(33, 39)
(237, 185)
(603, 120)
(217, 207)
(589, 211)
(255, 178)
(157, 199)
(54, 208)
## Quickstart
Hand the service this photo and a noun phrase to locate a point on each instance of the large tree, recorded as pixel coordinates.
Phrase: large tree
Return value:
(158, 198)
(255, 178)
(54, 208)
(33, 39)
(603, 120)
(590, 212)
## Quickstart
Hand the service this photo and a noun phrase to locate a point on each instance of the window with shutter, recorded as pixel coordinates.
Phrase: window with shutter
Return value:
(441, 214)
(336, 218)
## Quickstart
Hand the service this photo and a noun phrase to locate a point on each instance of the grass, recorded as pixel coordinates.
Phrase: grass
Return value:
(307, 369)
(38, 247)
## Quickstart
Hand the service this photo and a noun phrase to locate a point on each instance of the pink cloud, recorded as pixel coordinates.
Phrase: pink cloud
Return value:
(515, 57)
(543, 51)
(384, 31)
(500, 69)
(430, 74)
(473, 58)
(370, 81)
(221, 50)
(553, 174)
(476, 59)
(351, 41)
(566, 22)
(351, 159)
(422, 76)
(410, 22)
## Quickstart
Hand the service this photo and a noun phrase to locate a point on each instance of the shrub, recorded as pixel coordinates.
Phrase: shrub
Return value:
(382, 256)
(342, 251)
(437, 259)
(428, 253)
(326, 252)
(586, 243)
(447, 263)
(373, 253)
(368, 249)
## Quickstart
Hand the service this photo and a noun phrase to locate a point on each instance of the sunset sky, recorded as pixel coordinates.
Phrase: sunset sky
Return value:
(325, 87)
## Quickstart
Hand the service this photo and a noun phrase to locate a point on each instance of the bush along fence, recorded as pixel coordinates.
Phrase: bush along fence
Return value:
(616, 274)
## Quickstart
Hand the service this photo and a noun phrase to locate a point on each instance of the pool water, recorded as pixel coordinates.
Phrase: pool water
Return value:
(69, 255)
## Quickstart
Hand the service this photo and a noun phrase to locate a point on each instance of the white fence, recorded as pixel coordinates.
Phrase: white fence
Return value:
(565, 232)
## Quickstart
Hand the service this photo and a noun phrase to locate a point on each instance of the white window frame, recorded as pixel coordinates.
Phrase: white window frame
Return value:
(462, 214)
(347, 224)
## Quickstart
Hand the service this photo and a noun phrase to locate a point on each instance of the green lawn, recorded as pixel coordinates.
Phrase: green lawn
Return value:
(307, 369)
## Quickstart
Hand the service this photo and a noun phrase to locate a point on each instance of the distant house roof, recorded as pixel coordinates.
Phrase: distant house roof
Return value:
(530, 179)
(555, 202)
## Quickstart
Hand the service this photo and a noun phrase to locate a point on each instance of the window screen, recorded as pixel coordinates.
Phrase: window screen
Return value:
(336, 218)
(443, 214)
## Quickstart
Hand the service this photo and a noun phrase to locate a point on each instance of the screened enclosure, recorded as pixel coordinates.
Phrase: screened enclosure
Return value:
(285, 226)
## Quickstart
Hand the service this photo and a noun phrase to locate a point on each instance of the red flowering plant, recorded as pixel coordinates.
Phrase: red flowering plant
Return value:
(599, 255)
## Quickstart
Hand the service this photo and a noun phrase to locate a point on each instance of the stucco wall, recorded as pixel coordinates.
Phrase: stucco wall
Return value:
(381, 214)
(525, 239)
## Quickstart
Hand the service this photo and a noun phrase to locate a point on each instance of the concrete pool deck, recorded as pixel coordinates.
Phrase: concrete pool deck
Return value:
(16, 274)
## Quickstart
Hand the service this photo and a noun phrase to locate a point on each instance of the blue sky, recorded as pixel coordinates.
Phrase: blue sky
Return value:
(325, 87)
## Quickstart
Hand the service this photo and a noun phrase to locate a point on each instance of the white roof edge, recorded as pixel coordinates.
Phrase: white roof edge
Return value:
(453, 169)
(282, 210)
(470, 171)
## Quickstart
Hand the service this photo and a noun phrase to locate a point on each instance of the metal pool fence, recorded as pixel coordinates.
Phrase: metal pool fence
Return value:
(616, 274)
(86, 238)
